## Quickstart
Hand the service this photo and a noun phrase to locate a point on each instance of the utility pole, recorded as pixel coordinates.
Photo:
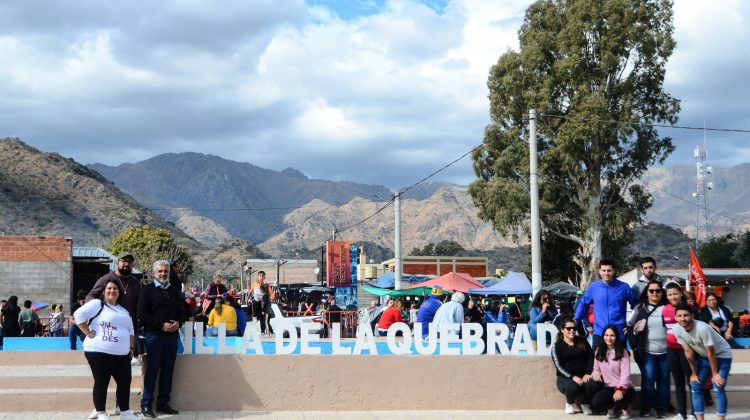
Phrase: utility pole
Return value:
(536, 257)
(397, 239)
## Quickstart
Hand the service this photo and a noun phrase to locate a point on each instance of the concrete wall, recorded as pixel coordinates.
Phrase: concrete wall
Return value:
(246, 383)
(36, 267)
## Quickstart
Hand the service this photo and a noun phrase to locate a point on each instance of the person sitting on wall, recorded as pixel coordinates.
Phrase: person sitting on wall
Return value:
(574, 362)
(612, 388)
(390, 316)
(429, 307)
(222, 313)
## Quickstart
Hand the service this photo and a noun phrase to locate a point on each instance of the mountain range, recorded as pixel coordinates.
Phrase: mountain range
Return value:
(217, 206)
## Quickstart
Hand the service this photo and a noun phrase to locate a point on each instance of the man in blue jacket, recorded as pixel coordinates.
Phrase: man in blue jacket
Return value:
(609, 296)
(427, 310)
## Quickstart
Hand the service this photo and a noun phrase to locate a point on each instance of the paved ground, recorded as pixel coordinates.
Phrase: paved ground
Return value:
(348, 415)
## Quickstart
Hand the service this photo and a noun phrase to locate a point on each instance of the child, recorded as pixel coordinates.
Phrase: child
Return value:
(56, 321)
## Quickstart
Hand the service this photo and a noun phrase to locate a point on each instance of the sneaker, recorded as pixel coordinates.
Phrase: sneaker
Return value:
(690, 417)
(646, 412)
(94, 414)
(661, 413)
(129, 415)
(135, 362)
(103, 416)
(625, 415)
(586, 410)
(569, 409)
(678, 416)
(117, 410)
(611, 414)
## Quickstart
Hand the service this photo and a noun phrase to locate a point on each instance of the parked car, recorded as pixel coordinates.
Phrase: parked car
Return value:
(280, 320)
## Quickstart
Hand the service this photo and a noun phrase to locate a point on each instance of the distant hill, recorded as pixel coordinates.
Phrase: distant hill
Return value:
(248, 201)
(674, 204)
(47, 194)
(447, 214)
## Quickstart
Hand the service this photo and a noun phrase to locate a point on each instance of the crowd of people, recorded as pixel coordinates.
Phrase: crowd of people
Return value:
(671, 338)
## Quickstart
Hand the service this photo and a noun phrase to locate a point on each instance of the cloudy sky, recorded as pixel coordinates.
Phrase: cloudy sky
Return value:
(370, 91)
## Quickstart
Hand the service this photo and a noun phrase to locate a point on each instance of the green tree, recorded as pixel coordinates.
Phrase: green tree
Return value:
(448, 248)
(149, 244)
(741, 254)
(718, 252)
(594, 71)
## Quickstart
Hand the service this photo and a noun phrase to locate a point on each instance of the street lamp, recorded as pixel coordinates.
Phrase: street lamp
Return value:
(279, 263)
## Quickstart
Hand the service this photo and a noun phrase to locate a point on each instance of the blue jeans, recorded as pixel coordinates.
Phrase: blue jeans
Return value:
(696, 388)
(655, 381)
(74, 333)
(161, 353)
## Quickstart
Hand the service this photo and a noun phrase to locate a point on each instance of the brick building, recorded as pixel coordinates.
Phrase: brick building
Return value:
(36, 268)
(439, 265)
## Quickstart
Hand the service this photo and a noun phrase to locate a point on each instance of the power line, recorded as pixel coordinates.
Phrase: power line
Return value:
(440, 170)
(263, 208)
(735, 219)
(681, 127)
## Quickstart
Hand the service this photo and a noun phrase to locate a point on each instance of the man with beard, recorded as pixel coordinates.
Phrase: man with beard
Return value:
(129, 284)
(160, 311)
(648, 268)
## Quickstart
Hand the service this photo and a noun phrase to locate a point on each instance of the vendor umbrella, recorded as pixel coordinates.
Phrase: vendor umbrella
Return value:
(38, 305)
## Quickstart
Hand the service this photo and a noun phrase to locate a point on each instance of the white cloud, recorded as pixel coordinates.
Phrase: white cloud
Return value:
(403, 87)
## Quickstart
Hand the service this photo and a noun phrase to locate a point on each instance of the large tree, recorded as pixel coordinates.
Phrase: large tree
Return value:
(148, 244)
(594, 71)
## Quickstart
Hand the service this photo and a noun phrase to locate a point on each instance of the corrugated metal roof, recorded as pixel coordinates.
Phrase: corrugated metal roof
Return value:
(709, 272)
(91, 252)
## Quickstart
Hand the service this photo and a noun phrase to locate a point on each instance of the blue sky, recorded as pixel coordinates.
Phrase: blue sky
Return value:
(368, 91)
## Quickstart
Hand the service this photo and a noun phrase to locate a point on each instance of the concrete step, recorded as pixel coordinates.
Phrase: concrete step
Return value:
(58, 399)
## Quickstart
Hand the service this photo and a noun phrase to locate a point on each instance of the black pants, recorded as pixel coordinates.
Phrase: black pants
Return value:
(680, 369)
(601, 397)
(105, 366)
(259, 314)
(572, 390)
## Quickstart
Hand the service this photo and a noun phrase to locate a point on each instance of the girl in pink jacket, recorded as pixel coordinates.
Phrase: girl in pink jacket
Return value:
(612, 388)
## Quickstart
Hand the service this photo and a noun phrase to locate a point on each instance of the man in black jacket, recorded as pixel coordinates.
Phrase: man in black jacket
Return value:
(161, 313)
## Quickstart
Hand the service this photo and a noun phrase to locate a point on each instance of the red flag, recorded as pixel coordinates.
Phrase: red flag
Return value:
(698, 279)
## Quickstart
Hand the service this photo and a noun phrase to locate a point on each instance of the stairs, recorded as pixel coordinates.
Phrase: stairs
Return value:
(53, 381)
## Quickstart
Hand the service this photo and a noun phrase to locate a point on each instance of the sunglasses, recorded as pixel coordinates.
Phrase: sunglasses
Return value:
(654, 291)
(569, 328)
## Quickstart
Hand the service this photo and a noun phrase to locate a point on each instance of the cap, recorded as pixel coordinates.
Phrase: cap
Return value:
(126, 256)
(437, 291)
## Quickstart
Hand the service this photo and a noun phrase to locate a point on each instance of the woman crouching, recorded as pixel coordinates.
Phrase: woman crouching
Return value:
(611, 388)
(574, 362)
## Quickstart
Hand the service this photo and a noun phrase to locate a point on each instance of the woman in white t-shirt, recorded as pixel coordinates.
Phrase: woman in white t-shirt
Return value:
(108, 347)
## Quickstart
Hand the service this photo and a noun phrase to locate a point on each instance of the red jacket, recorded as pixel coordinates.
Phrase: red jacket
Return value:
(390, 316)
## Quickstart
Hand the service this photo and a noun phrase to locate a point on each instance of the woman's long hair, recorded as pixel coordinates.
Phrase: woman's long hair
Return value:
(602, 348)
(219, 304)
(643, 298)
(12, 302)
(537, 302)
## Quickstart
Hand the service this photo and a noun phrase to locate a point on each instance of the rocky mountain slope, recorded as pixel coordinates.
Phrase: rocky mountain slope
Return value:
(248, 201)
(447, 214)
(47, 194)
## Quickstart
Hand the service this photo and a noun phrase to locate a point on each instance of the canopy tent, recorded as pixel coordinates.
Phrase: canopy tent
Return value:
(451, 282)
(512, 284)
(321, 289)
(488, 281)
(388, 280)
(562, 289)
(419, 291)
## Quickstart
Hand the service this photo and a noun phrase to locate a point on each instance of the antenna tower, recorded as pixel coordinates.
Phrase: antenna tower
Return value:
(701, 188)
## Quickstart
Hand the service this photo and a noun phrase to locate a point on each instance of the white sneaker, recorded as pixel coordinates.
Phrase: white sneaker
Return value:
(690, 417)
(94, 414)
(129, 415)
(103, 416)
(570, 409)
(586, 410)
(678, 416)
(135, 362)
(117, 410)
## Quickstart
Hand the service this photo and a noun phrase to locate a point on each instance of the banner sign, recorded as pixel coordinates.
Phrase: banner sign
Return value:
(337, 263)
(698, 278)
(399, 341)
